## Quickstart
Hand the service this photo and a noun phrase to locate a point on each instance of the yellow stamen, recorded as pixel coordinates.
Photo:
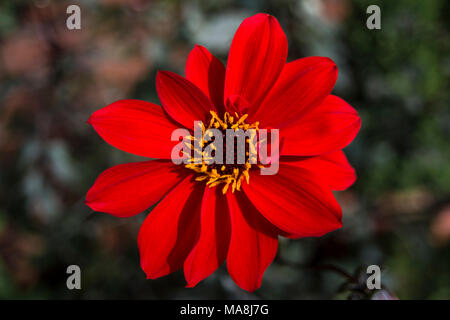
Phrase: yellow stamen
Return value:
(200, 160)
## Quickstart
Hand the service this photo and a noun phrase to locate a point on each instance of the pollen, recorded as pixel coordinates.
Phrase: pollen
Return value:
(229, 176)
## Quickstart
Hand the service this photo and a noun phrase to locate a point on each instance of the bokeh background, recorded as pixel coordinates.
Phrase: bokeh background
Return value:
(397, 215)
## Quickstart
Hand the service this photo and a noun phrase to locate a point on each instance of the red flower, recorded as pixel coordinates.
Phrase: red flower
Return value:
(196, 226)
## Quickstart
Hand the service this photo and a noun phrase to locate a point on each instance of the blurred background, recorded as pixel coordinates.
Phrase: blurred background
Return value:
(397, 215)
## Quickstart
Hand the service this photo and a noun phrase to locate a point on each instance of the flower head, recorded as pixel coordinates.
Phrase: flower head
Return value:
(213, 212)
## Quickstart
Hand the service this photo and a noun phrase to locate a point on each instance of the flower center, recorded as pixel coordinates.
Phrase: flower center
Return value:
(221, 134)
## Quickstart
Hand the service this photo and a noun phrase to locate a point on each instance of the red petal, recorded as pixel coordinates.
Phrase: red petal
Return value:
(207, 73)
(253, 243)
(170, 231)
(329, 127)
(302, 85)
(128, 189)
(257, 56)
(237, 104)
(212, 246)
(182, 100)
(297, 201)
(136, 126)
(333, 168)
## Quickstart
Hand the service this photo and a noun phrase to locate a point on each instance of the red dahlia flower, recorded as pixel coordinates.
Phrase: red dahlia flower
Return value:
(196, 225)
